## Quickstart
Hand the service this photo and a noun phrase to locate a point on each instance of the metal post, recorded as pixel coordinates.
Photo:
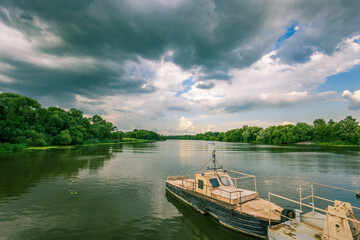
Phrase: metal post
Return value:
(300, 199)
(255, 184)
(312, 197)
(270, 209)
(240, 202)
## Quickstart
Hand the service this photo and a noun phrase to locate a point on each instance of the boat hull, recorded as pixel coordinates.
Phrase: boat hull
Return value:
(226, 216)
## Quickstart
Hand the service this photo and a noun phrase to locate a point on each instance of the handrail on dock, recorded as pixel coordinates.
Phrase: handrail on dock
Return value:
(313, 196)
(306, 205)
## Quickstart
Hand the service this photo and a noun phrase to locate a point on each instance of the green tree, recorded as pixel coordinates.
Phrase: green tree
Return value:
(319, 122)
(64, 137)
(346, 129)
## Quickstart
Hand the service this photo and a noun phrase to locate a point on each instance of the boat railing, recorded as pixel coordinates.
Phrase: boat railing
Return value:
(309, 206)
(191, 185)
(239, 176)
(243, 177)
(313, 196)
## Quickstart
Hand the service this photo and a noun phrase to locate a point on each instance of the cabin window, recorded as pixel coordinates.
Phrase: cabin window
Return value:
(225, 181)
(201, 184)
(214, 182)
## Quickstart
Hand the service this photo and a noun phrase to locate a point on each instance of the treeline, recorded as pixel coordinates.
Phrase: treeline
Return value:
(144, 134)
(24, 122)
(345, 132)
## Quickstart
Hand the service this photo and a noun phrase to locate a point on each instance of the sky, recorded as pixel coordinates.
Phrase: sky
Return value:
(185, 66)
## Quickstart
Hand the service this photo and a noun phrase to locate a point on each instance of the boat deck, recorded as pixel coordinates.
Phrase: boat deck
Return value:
(250, 204)
(310, 228)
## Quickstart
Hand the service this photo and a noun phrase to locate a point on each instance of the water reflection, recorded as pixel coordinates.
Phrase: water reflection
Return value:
(121, 192)
(18, 172)
(200, 226)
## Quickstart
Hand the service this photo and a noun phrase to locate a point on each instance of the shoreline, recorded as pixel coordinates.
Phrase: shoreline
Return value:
(311, 144)
(91, 144)
(125, 140)
(133, 140)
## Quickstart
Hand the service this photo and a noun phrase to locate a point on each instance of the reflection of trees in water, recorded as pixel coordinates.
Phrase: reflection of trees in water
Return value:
(201, 226)
(21, 171)
(350, 150)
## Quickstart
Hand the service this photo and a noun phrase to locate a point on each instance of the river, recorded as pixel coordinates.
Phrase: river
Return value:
(118, 191)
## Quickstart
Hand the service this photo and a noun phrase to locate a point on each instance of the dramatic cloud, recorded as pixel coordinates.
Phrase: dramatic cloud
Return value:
(150, 63)
(354, 99)
(271, 83)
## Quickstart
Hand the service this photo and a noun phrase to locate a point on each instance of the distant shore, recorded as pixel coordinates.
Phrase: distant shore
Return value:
(9, 148)
(306, 143)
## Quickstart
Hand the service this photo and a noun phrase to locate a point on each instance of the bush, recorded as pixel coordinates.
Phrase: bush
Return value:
(8, 147)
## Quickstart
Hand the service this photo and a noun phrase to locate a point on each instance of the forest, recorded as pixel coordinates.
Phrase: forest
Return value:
(23, 122)
(344, 132)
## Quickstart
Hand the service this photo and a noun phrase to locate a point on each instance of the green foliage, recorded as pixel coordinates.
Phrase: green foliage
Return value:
(144, 134)
(344, 132)
(23, 120)
(64, 137)
(8, 147)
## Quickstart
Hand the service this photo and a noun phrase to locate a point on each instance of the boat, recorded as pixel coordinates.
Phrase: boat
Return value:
(215, 191)
(336, 221)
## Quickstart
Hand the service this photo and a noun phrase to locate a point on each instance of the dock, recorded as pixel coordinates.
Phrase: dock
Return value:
(309, 229)
(337, 221)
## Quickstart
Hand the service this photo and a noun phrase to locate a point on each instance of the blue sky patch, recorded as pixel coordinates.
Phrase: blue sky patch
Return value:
(187, 86)
(291, 30)
(342, 81)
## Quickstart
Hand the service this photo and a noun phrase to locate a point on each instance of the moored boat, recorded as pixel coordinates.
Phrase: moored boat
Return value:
(216, 192)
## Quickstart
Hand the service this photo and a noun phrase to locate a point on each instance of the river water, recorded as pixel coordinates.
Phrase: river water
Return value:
(118, 191)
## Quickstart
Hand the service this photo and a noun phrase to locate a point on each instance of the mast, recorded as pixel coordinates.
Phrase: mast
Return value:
(214, 159)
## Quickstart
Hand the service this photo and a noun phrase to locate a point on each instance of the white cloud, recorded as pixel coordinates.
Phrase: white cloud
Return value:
(271, 83)
(266, 84)
(16, 46)
(186, 125)
(5, 79)
(354, 99)
(287, 123)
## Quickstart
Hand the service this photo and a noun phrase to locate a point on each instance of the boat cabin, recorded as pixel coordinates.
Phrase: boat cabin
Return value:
(219, 185)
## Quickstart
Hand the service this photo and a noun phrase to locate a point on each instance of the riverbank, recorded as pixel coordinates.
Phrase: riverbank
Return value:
(8, 148)
(305, 143)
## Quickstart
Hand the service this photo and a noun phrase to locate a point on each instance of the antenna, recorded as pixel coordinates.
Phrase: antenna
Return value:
(214, 158)
(214, 161)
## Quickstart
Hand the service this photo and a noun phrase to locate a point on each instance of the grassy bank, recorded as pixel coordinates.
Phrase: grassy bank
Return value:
(125, 140)
(335, 144)
(8, 148)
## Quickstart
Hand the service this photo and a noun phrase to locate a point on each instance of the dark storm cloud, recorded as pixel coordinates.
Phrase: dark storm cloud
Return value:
(324, 24)
(205, 85)
(201, 33)
(63, 84)
(214, 35)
